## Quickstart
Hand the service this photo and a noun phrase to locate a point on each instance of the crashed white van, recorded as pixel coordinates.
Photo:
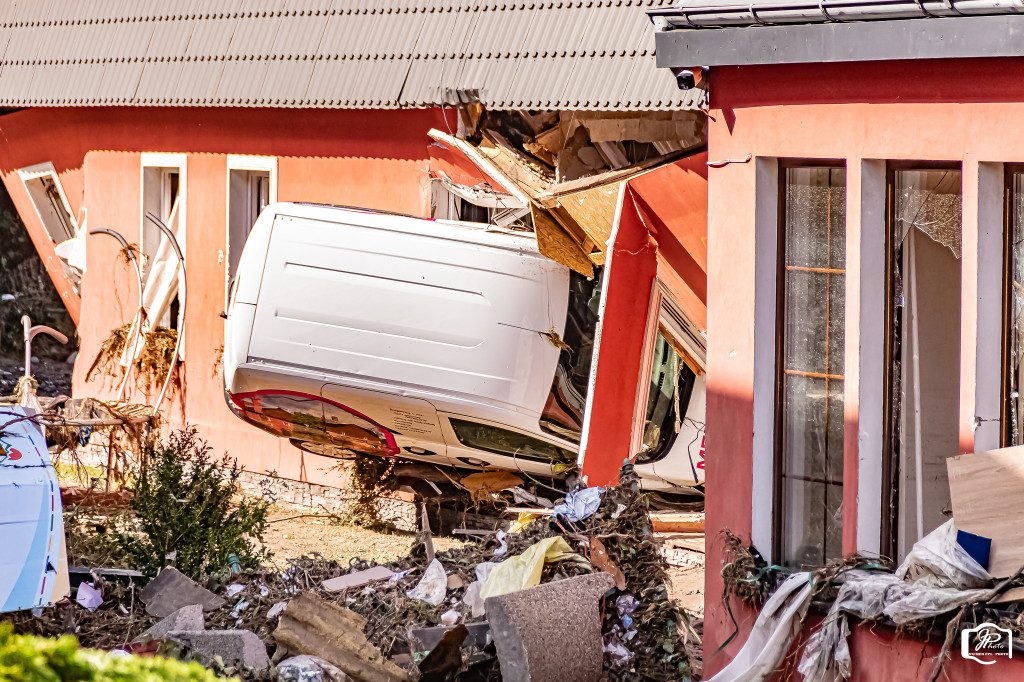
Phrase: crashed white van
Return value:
(361, 332)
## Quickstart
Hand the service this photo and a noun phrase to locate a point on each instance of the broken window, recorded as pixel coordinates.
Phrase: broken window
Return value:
(1013, 405)
(668, 396)
(923, 350)
(563, 411)
(509, 443)
(812, 306)
(47, 195)
(162, 196)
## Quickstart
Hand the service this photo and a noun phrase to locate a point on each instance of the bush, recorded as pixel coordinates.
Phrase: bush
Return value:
(186, 513)
(25, 658)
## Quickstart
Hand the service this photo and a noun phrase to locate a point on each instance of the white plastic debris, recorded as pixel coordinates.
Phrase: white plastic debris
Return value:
(449, 618)
(277, 609)
(773, 632)
(500, 535)
(433, 586)
(234, 589)
(239, 607)
(89, 597)
(264, 590)
(939, 559)
(309, 669)
(580, 504)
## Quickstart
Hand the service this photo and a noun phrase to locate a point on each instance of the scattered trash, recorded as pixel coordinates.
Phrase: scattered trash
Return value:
(232, 590)
(445, 659)
(357, 579)
(579, 504)
(455, 582)
(224, 647)
(500, 551)
(309, 669)
(449, 618)
(89, 597)
(239, 607)
(277, 609)
(520, 572)
(599, 557)
(481, 486)
(172, 590)
(433, 587)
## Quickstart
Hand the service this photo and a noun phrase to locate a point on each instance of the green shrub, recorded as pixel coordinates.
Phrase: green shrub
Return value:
(186, 513)
(24, 658)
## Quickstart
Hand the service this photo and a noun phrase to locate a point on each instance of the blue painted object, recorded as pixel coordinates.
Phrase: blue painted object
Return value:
(977, 546)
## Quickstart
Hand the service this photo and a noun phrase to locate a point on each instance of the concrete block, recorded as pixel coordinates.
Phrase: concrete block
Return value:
(172, 590)
(235, 647)
(187, 618)
(552, 632)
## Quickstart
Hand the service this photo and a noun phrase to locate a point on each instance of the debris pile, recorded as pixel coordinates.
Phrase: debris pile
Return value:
(577, 596)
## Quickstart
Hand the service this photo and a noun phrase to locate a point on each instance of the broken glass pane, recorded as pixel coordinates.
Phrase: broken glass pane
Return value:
(930, 201)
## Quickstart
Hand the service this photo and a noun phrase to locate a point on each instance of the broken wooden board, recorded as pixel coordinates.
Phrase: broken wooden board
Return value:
(357, 579)
(555, 243)
(594, 210)
(987, 492)
(311, 625)
(662, 522)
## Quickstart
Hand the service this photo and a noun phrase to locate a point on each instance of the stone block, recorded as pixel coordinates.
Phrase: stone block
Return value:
(235, 647)
(172, 590)
(552, 632)
(187, 618)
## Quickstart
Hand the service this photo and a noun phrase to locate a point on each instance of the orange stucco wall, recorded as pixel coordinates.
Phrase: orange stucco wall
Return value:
(960, 110)
(375, 159)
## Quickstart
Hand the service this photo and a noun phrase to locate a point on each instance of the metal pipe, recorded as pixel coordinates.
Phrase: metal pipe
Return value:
(30, 333)
(137, 320)
(181, 313)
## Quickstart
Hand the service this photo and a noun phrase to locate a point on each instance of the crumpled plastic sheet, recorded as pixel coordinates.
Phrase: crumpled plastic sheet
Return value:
(433, 586)
(309, 669)
(773, 632)
(89, 597)
(579, 504)
(929, 582)
(523, 571)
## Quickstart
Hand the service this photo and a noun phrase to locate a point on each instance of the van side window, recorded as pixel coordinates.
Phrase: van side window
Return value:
(563, 411)
(509, 443)
(667, 400)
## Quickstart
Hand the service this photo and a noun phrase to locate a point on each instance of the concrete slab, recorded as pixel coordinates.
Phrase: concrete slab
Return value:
(552, 632)
(172, 590)
(187, 618)
(235, 647)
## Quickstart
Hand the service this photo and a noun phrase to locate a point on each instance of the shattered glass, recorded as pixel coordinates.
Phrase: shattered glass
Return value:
(930, 201)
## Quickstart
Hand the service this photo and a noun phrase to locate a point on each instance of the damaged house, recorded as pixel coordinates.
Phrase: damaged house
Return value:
(550, 120)
(865, 195)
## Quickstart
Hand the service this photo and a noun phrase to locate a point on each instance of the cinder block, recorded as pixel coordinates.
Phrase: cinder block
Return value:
(235, 647)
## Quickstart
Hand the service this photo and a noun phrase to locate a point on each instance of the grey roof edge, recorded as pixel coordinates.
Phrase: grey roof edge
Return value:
(937, 38)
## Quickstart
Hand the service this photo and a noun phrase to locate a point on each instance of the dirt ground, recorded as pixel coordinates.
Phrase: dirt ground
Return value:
(54, 376)
(289, 537)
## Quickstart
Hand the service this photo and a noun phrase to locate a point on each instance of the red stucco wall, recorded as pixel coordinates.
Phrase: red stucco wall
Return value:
(961, 110)
(369, 158)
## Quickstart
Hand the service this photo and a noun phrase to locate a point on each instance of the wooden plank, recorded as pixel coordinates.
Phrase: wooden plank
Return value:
(987, 491)
(662, 522)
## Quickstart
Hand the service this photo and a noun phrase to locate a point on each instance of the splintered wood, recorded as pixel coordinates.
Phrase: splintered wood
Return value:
(314, 626)
(987, 491)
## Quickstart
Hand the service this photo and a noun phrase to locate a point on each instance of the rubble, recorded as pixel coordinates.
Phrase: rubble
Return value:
(186, 619)
(227, 647)
(317, 627)
(172, 590)
(357, 579)
(551, 632)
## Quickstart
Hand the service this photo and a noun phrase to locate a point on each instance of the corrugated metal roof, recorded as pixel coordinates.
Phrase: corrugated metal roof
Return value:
(579, 54)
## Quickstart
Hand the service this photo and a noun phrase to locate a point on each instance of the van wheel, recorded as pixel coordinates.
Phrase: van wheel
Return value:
(324, 449)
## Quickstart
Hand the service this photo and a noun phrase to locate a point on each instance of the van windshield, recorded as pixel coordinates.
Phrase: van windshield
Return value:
(668, 398)
(563, 412)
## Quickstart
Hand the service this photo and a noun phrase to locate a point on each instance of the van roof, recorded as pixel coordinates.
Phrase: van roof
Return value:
(357, 209)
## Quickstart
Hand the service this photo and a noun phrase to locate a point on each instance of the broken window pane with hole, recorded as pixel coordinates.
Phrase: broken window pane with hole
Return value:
(1014, 411)
(810, 473)
(926, 343)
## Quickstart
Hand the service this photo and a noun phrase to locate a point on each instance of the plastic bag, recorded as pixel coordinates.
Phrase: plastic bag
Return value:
(433, 586)
(523, 571)
(938, 558)
(579, 504)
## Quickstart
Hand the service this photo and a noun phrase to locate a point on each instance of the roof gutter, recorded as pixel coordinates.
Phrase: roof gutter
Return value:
(774, 12)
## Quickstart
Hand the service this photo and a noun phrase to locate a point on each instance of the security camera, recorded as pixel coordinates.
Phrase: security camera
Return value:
(685, 78)
(692, 77)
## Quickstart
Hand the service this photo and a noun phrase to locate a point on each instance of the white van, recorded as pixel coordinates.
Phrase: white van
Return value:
(362, 332)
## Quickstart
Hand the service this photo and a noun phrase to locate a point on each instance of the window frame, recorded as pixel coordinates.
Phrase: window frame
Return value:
(777, 519)
(47, 170)
(888, 540)
(163, 161)
(242, 162)
(1009, 171)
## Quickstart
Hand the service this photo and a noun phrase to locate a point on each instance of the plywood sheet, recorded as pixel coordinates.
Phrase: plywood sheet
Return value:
(987, 491)
(555, 243)
(594, 210)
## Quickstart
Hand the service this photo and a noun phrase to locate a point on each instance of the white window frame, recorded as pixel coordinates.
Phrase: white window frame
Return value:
(164, 160)
(243, 162)
(46, 170)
